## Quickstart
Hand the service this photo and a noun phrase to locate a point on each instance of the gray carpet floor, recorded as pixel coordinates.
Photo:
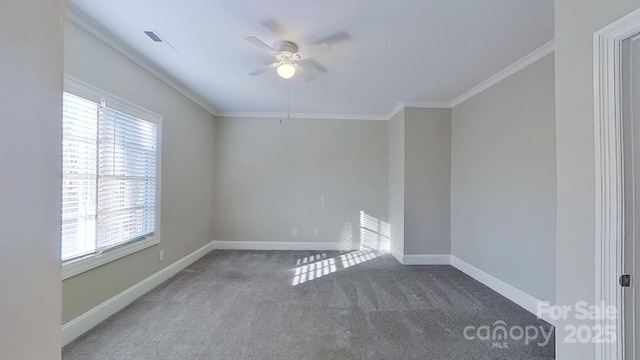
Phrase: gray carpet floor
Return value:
(313, 305)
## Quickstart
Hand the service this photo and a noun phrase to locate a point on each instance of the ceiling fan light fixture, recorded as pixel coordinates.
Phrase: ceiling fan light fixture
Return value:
(286, 70)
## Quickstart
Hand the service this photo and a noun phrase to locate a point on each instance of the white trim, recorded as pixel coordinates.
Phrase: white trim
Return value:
(521, 64)
(423, 259)
(609, 187)
(80, 88)
(330, 116)
(72, 268)
(512, 293)
(282, 245)
(83, 89)
(279, 115)
(395, 110)
(401, 105)
(426, 259)
(76, 17)
(427, 104)
(397, 254)
(100, 33)
(510, 70)
(85, 322)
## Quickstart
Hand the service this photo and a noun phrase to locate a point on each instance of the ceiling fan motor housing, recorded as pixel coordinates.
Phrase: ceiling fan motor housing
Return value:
(287, 49)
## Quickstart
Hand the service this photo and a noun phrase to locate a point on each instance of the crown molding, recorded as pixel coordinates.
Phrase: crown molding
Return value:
(318, 116)
(100, 33)
(77, 18)
(416, 104)
(427, 104)
(534, 56)
(331, 116)
(394, 110)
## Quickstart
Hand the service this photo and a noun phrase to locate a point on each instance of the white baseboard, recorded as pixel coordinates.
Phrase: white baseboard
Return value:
(512, 293)
(426, 259)
(397, 254)
(421, 259)
(81, 324)
(96, 315)
(282, 245)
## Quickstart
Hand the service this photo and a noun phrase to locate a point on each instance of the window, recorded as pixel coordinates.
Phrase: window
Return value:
(110, 178)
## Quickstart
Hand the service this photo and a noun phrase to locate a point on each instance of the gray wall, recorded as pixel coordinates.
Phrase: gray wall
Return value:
(419, 181)
(30, 167)
(187, 169)
(503, 189)
(396, 182)
(273, 177)
(575, 23)
(427, 181)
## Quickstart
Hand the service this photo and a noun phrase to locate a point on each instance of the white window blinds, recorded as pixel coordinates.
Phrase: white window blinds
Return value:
(79, 176)
(109, 177)
(127, 178)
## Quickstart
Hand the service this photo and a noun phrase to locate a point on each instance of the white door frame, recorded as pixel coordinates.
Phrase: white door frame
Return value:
(609, 190)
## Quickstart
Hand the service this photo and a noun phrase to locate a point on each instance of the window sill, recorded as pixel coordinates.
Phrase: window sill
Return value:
(75, 267)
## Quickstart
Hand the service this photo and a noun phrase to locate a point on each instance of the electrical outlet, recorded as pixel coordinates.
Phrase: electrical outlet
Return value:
(294, 232)
(315, 232)
(161, 255)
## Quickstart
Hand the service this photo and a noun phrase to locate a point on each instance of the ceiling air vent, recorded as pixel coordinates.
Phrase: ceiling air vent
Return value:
(157, 38)
(151, 34)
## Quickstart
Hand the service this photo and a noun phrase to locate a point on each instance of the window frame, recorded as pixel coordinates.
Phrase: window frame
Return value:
(77, 266)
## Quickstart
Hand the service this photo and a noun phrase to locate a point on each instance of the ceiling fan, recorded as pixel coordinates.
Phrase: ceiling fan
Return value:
(289, 58)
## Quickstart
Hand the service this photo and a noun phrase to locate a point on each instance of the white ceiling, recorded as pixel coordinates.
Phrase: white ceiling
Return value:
(416, 51)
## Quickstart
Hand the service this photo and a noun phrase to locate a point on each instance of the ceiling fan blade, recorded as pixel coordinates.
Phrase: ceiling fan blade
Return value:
(276, 29)
(316, 65)
(304, 72)
(264, 69)
(259, 43)
(313, 51)
(335, 38)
